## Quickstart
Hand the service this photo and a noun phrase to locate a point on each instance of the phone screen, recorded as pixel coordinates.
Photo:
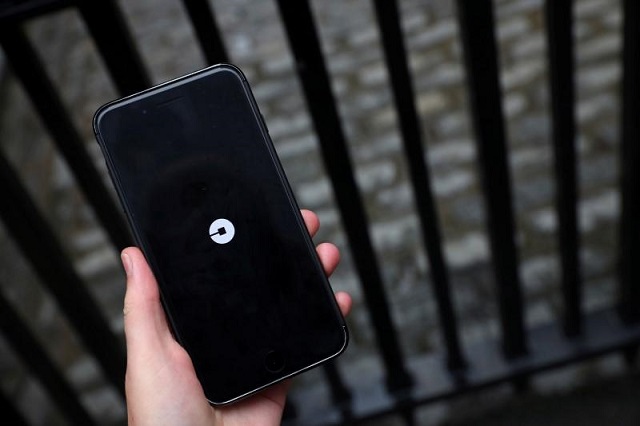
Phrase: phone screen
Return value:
(211, 208)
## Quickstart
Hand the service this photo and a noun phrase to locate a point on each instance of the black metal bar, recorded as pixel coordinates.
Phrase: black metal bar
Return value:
(339, 392)
(481, 63)
(10, 415)
(630, 158)
(559, 21)
(408, 416)
(207, 30)
(33, 355)
(115, 44)
(39, 245)
(19, 11)
(301, 32)
(289, 412)
(30, 71)
(604, 333)
(396, 61)
(630, 356)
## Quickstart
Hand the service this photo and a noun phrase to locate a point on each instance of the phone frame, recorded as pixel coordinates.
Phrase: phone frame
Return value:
(140, 241)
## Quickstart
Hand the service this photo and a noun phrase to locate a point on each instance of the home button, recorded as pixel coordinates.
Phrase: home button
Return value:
(274, 361)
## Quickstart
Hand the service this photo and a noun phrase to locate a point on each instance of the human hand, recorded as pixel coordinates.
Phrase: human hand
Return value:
(161, 384)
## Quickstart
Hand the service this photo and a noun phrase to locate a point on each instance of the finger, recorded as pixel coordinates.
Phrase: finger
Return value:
(344, 302)
(329, 257)
(145, 323)
(311, 220)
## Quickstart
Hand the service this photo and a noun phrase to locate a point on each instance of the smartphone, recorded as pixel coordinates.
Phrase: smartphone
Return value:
(209, 205)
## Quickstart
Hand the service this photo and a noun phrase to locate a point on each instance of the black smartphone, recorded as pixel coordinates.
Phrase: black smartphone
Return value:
(210, 206)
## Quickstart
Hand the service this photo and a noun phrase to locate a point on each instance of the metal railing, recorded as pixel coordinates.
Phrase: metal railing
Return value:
(409, 382)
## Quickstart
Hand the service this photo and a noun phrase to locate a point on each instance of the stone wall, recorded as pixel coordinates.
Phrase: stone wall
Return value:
(256, 43)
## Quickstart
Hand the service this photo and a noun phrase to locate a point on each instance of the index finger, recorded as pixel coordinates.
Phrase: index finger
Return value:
(311, 221)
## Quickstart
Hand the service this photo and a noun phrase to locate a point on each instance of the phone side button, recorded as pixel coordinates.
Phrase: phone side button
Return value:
(274, 361)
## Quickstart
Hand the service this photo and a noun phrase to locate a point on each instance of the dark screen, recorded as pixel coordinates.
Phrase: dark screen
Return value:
(258, 307)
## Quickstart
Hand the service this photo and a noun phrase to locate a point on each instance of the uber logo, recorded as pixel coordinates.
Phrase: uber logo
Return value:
(221, 231)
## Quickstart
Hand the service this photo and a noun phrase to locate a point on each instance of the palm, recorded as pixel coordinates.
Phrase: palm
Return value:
(264, 408)
(161, 384)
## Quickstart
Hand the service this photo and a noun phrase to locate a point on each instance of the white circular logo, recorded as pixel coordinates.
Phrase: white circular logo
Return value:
(221, 231)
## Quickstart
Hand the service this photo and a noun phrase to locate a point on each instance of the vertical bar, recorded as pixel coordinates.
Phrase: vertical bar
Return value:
(17, 11)
(559, 21)
(207, 30)
(10, 415)
(630, 356)
(29, 70)
(408, 415)
(630, 158)
(40, 246)
(305, 46)
(31, 352)
(481, 63)
(290, 411)
(339, 392)
(109, 30)
(396, 61)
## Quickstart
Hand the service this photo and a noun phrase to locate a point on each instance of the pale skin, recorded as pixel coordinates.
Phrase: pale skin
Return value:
(161, 385)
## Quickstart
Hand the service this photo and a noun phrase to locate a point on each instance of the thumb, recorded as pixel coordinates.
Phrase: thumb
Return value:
(145, 323)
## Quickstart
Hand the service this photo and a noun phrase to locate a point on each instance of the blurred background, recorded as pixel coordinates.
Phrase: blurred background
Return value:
(595, 391)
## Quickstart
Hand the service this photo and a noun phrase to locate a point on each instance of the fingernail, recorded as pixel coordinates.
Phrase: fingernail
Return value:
(126, 262)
